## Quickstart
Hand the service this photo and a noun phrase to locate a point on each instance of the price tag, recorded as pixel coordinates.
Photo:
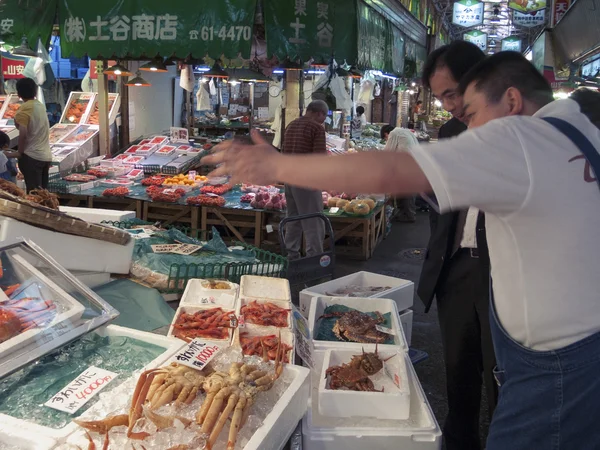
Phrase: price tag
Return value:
(81, 390)
(165, 248)
(192, 175)
(197, 354)
(334, 210)
(241, 321)
(304, 344)
(269, 228)
(385, 330)
(392, 372)
(187, 249)
(233, 322)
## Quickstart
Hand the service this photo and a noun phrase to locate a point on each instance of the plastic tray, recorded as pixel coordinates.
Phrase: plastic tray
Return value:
(170, 345)
(193, 309)
(367, 305)
(401, 291)
(265, 288)
(287, 337)
(196, 294)
(393, 403)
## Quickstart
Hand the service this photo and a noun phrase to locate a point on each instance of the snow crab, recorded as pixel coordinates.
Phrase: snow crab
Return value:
(356, 326)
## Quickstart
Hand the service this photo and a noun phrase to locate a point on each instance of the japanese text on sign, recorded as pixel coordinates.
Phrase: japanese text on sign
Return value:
(197, 354)
(81, 390)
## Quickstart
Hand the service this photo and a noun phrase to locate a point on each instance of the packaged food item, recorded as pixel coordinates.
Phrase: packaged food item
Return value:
(206, 200)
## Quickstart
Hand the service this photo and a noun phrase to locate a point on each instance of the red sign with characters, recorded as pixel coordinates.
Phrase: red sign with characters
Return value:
(560, 7)
(12, 68)
(94, 71)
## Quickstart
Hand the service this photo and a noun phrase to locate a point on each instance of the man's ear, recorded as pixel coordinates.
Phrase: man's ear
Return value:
(514, 101)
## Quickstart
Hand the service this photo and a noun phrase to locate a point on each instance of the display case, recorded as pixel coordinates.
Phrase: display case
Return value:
(3, 103)
(113, 110)
(60, 131)
(42, 306)
(11, 106)
(78, 108)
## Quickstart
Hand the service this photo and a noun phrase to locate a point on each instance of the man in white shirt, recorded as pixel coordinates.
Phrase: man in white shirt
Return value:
(520, 171)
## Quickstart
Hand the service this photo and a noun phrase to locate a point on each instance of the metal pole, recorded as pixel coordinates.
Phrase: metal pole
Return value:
(251, 105)
(124, 90)
(352, 109)
(104, 138)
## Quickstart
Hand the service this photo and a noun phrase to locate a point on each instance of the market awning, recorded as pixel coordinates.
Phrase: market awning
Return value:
(145, 28)
(33, 19)
(581, 20)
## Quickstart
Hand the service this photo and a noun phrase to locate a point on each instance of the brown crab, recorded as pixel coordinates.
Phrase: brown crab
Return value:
(357, 326)
(354, 376)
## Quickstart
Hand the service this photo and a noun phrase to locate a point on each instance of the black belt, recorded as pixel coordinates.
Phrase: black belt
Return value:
(471, 252)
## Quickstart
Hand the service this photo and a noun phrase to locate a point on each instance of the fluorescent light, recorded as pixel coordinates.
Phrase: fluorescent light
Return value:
(278, 71)
(315, 72)
(202, 69)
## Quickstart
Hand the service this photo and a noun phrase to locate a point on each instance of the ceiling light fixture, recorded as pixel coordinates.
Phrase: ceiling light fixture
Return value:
(118, 70)
(138, 81)
(24, 49)
(156, 65)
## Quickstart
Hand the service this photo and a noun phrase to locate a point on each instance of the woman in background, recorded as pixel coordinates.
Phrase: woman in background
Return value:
(8, 171)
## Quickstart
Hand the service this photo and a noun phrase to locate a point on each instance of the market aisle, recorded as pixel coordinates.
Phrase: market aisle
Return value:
(401, 255)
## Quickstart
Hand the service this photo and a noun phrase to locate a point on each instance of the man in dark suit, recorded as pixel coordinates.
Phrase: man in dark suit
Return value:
(456, 272)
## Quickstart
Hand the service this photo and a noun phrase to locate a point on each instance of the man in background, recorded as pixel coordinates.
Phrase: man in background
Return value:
(305, 135)
(456, 271)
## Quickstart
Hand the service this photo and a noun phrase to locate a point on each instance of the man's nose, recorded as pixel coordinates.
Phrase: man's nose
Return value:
(448, 105)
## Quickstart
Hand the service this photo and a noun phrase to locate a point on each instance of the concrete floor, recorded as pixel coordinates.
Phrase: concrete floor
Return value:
(401, 255)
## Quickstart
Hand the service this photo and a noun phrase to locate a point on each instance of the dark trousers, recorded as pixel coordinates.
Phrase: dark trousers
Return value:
(463, 309)
(35, 172)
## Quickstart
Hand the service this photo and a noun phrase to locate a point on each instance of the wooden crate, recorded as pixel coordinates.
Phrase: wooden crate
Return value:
(234, 224)
(119, 204)
(77, 201)
(172, 214)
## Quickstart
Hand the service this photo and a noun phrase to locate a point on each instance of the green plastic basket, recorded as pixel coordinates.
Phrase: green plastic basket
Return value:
(267, 264)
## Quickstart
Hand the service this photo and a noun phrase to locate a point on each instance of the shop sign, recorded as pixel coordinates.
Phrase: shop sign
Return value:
(527, 6)
(478, 38)
(308, 29)
(511, 44)
(373, 46)
(12, 68)
(33, 19)
(591, 69)
(559, 9)
(467, 13)
(529, 20)
(539, 53)
(153, 27)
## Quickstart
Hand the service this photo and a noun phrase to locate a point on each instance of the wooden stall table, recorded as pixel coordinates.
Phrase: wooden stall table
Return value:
(245, 225)
(73, 200)
(173, 214)
(115, 203)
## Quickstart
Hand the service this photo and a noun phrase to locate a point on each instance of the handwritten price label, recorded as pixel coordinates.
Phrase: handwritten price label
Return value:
(187, 249)
(165, 248)
(197, 354)
(81, 390)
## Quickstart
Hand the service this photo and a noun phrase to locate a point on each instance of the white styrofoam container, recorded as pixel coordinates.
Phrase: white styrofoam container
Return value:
(406, 320)
(170, 345)
(266, 288)
(243, 301)
(23, 439)
(91, 279)
(401, 291)
(383, 305)
(70, 251)
(196, 294)
(420, 432)
(393, 403)
(287, 337)
(192, 310)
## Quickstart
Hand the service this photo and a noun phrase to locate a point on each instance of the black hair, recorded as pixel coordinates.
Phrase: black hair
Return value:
(26, 88)
(459, 57)
(386, 129)
(589, 103)
(4, 139)
(419, 102)
(496, 74)
(360, 110)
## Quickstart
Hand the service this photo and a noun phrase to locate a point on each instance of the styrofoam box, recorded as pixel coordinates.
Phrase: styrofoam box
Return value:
(17, 437)
(94, 215)
(255, 287)
(406, 320)
(287, 337)
(401, 291)
(393, 403)
(170, 345)
(367, 305)
(197, 295)
(419, 432)
(91, 279)
(70, 251)
(192, 310)
(242, 301)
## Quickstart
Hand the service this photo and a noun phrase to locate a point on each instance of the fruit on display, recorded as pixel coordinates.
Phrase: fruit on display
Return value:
(155, 180)
(370, 202)
(265, 200)
(206, 200)
(362, 208)
(120, 191)
(218, 189)
(247, 198)
(99, 173)
(342, 203)
(326, 196)
(183, 180)
(349, 208)
(79, 177)
(164, 195)
(332, 202)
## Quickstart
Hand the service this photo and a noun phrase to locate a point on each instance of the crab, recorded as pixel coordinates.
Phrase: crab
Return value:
(357, 326)
(354, 376)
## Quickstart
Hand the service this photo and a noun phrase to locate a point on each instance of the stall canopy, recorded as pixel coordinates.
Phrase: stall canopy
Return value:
(33, 19)
(583, 21)
(138, 28)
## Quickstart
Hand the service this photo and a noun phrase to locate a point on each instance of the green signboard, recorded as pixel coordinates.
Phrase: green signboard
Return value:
(33, 18)
(397, 51)
(374, 44)
(148, 27)
(317, 29)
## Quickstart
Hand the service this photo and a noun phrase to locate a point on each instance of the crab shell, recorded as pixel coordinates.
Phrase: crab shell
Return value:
(359, 327)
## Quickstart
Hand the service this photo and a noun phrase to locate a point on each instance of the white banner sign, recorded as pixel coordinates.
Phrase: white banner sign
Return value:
(529, 20)
(478, 38)
(467, 13)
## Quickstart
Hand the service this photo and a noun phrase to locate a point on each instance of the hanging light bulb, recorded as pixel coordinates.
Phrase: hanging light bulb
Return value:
(24, 49)
(118, 70)
(156, 65)
(138, 81)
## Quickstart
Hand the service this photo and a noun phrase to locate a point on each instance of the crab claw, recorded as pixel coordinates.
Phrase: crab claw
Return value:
(139, 397)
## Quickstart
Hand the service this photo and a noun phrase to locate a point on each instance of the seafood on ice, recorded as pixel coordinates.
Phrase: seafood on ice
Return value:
(265, 314)
(258, 345)
(354, 376)
(228, 397)
(213, 323)
(356, 326)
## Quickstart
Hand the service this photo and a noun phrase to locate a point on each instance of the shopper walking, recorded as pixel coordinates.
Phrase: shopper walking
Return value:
(456, 272)
(525, 158)
(305, 136)
(34, 153)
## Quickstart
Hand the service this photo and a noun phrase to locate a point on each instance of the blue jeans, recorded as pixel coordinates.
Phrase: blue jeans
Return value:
(549, 400)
